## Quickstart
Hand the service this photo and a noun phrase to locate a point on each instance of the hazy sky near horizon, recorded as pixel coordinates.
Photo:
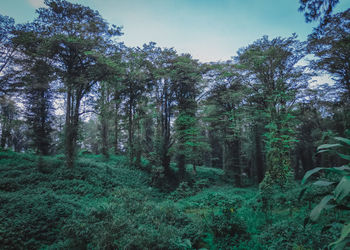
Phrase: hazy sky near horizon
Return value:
(210, 30)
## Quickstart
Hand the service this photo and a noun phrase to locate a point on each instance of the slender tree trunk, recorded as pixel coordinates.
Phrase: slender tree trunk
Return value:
(72, 123)
(232, 160)
(165, 135)
(130, 133)
(166, 163)
(104, 122)
(3, 136)
(68, 130)
(104, 130)
(116, 134)
(236, 161)
(259, 160)
(194, 167)
(137, 142)
(116, 123)
(5, 126)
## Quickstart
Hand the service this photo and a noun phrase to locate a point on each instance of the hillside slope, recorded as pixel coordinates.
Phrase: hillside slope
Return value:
(107, 205)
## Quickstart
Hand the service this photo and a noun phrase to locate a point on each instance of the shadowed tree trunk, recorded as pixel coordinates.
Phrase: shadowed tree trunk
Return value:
(258, 154)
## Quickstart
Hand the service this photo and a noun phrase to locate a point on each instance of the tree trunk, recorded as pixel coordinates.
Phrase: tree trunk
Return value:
(130, 133)
(68, 130)
(259, 160)
(72, 122)
(194, 167)
(232, 164)
(116, 123)
(236, 161)
(165, 131)
(104, 122)
(3, 136)
(104, 130)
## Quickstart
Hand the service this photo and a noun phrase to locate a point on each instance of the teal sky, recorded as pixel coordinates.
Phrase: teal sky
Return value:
(211, 30)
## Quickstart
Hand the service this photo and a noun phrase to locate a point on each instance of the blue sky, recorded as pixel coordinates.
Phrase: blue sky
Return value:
(210, 30)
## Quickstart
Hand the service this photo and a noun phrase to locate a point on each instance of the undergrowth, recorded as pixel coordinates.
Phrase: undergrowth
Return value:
(104, 204)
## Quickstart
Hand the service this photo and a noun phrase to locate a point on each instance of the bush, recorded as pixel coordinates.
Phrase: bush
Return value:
(128, 220)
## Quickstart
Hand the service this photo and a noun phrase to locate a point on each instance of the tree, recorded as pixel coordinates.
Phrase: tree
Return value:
(104, 107)
(134, 87)
(35, 74)
(8, 114)
(7, 55)
(7, 51)
(39, 106)
(76, 38)
(159, 63)
(116, 84)
(186, 76)
(269, 67)
(226, 98)
(331, 46)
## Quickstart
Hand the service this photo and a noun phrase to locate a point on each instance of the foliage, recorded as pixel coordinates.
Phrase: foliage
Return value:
(330, 45)
(104, 204)
(270, 66)
(339, 197)
(75, 52)
(317, 9)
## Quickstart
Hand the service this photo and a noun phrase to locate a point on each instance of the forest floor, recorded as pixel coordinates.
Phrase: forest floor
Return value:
(104, 204)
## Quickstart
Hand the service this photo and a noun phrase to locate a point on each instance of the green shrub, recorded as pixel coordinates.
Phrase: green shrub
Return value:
(128, 220)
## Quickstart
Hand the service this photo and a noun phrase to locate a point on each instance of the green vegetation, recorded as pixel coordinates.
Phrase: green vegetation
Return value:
(105, 204)
(103, 146)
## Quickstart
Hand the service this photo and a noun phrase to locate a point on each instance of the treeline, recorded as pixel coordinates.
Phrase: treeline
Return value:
(67, 85)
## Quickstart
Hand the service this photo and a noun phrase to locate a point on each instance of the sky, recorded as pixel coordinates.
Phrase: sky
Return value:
(210, 30)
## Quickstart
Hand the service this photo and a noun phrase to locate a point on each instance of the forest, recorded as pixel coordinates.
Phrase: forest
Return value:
(105, 146)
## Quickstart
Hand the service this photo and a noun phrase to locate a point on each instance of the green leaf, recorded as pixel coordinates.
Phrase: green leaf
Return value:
(343, 170)
(346, 157)
(327, 146)
(315, 213)
(323, 183)
(343, 188)
(322, 151)
(344, 238)
(345, 140)
(309, 173)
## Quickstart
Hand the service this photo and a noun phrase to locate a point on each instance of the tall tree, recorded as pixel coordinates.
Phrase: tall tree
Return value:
(331, 46)
(270, 69)
(36, 74)
(39, 106)
(7, 54)
(134, 87)
(226, 97)
(186, 76)
(162, 94)
(76, 38)
(104, 109)
(8, 113)
(115, 82)
(7, 51)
